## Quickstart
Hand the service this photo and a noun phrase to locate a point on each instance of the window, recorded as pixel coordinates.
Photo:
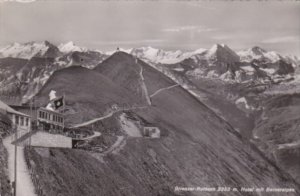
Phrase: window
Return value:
(22, 121)
(40, 114)
(17, 120)
(27, 121)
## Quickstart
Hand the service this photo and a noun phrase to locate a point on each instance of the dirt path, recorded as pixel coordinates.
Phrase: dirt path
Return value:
(144, 87)
(117, 146)
(106, 116)
(292, 145)
(96, 134)
(94, 120)
(24, 184)
(163, 89)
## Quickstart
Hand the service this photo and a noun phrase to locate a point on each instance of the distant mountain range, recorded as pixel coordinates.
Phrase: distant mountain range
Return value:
(26, 67)
(153, 55)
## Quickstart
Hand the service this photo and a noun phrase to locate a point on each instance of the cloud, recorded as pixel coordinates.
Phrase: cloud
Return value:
(284, 39)
(129, 42)
(233, 36)
(222, 37)
(19, 1)
(198, 29)
(201, 5)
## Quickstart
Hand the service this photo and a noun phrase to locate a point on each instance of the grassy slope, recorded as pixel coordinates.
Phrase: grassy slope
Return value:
(88, 93)
(124, 70)
(197, 149)
(201, 140)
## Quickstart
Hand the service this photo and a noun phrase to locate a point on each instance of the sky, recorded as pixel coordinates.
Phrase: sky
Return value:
(169, 25)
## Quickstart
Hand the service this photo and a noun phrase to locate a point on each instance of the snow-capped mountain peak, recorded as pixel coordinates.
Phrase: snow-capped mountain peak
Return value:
(257, 50)
(199, 51)
(213, 50)
(148, 52)
(223, 53)
(70, 47)
(25, 51)
(155, 55)
(258, 53)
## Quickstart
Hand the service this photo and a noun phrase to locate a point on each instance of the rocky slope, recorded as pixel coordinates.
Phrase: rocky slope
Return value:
(277, 131)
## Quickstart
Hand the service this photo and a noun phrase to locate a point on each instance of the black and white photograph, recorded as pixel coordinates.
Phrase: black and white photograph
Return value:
(149, 98)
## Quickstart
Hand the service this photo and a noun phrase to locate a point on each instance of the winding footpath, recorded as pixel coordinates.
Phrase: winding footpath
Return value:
(94, 120)
(96, 134)
(163, 89)
(106, 116)
(24, 184)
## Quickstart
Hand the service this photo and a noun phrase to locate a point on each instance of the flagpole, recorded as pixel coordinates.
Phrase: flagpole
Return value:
(64, 97)
(15, 165)
(31, 118)
(35, 114)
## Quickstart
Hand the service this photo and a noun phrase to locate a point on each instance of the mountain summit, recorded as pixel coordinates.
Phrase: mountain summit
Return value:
(70, 47)
(257, 53)
(29, 50)
(222, 53)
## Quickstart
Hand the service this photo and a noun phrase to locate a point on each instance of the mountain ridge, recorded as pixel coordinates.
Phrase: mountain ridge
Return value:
(71, 47)
(217, 62)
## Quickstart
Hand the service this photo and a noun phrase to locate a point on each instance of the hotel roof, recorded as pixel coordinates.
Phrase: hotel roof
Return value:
(5, 107)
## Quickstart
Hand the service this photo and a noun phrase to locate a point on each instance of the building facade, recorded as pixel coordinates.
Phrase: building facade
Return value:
(50, 121)
(151, 132)
(19, 120)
